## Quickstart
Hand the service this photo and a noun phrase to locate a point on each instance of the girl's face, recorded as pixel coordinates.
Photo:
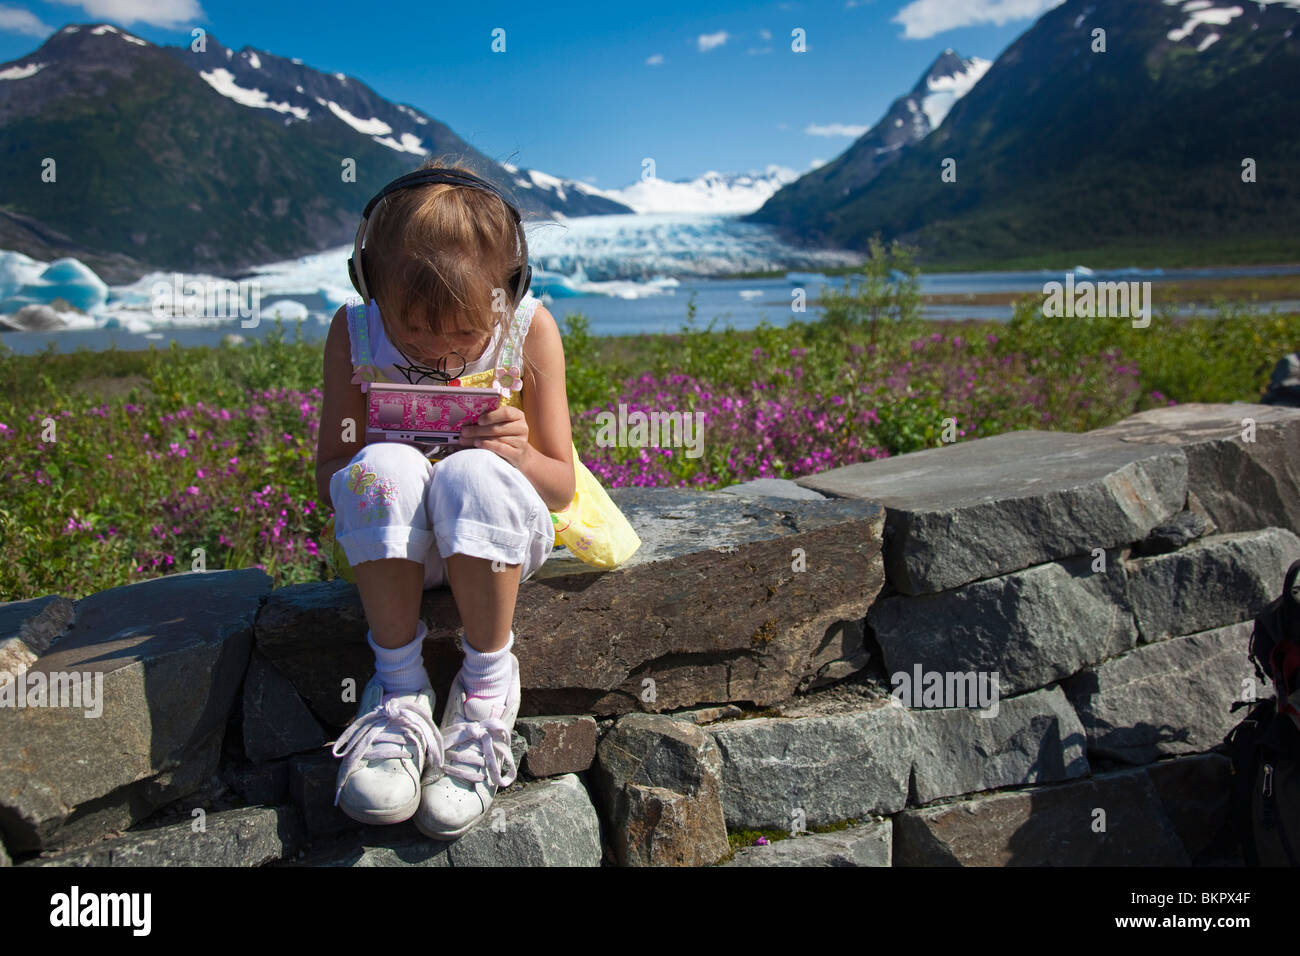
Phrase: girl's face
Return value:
(421, 345)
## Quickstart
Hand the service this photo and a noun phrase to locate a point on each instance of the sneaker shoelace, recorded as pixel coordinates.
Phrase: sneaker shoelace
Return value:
(388, 731)
(470, 747)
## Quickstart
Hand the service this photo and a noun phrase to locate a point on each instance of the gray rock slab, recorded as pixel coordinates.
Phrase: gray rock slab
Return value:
(833, 768)
(1242, 485)
(707, 715)
(544, 823)
(1033, 738)
(1179, 531)
(772, 488)
(28, 628)
(842, 653)
(312, 781)
(1163, 699)
(276, 721)
(397, 845)
(1115, 819)
(728, 600)
(864, 845)
(247, 837)
(983, 508)
(558, 744)
(1211, 583)
(658, 783)
(548, 823)
(265, 784)
(169, 655)
(1033, 627)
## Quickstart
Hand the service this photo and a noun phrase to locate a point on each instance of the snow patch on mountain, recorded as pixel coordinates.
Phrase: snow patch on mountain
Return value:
(1205, 13)
(370, 127)
(21, 72)
(223, 81)
(105, 28)
(944, 91)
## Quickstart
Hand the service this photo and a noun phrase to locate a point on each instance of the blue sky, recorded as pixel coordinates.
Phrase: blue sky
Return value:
(586, 90)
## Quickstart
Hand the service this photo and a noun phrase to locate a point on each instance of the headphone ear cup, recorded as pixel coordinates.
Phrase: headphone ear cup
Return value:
(352, 274)
(526, 274)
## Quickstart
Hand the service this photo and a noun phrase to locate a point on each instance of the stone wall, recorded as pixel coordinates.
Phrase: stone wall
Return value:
(1072, 612)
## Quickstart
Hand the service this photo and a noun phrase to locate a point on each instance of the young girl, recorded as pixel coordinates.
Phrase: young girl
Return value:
(437, 259)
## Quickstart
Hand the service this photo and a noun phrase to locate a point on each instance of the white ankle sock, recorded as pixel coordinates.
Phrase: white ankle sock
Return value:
(401, 669)
(487, 675)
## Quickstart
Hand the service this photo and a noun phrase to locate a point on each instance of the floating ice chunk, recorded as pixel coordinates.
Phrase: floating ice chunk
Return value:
(290, 311)
(16, 271)
(66, 279)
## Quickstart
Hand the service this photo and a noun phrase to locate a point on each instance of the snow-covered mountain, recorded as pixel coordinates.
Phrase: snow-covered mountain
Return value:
(1067, 149)
(712, 192)
(950, 78)
(171, 158)
(909, 120)
(259, 79)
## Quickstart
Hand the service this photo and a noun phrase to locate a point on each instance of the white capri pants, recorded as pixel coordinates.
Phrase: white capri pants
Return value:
(392, 502)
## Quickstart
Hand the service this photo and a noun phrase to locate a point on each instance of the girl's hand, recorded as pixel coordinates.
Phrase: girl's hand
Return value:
(503, 430)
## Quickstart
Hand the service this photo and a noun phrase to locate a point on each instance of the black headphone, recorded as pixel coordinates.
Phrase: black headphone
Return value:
(521, 278)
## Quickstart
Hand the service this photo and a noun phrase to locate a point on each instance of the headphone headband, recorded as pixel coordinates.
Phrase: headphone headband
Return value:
(436, 175)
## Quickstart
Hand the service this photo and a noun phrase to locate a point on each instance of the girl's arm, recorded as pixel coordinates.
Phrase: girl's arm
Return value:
(548, 461)
(342, 400)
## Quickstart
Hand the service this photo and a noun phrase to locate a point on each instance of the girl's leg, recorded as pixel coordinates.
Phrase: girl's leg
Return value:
(485, 599)
(484, 511)
(382, 524)
(383, 527)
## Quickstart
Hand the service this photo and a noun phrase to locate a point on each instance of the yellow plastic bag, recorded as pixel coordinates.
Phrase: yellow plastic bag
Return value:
(591, 526)
(332, 552)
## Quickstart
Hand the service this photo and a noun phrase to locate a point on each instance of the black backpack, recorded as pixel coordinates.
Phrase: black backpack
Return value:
(1264, 805)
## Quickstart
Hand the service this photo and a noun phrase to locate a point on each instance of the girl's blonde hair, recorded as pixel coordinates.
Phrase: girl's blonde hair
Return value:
(434, 255)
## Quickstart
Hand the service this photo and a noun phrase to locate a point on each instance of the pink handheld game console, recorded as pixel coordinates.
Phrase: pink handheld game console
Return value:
(424, 414)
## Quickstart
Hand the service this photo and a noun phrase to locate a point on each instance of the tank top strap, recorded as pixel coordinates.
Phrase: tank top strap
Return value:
(509, 362)
(359, 326)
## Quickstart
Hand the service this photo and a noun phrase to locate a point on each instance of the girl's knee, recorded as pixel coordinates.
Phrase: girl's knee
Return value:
(482, 480)
(388, 470)
(471, 465)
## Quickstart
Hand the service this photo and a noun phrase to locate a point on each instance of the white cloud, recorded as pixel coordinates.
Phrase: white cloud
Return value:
(158, 13)
(765, 34)
(836, 129)
(925, 18)
(654, 60)
(708, 41)
(14, 20)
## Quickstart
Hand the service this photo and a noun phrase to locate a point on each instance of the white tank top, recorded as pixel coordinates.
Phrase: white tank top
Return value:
(371, 347)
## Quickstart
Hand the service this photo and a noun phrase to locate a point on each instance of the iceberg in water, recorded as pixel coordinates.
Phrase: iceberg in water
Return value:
(24, 281)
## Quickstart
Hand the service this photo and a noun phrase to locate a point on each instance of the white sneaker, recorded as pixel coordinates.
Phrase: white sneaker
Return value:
(477, 760)
(385, 751)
